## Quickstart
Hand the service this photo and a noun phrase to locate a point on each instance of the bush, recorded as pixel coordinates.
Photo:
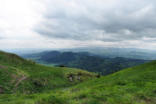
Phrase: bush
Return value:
(51, 100)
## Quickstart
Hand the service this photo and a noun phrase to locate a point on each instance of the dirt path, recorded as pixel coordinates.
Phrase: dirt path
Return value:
(20, 80)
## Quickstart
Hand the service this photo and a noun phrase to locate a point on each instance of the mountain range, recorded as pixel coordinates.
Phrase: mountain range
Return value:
(84, 60)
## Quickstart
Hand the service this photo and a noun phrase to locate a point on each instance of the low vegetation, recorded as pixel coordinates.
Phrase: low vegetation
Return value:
(50, 85)
(26, 76)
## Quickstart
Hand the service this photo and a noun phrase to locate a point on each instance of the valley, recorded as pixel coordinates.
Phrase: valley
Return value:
(84, 60)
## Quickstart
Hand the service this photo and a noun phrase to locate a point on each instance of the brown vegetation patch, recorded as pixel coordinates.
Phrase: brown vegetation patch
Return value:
(2, 67)
(1, 90)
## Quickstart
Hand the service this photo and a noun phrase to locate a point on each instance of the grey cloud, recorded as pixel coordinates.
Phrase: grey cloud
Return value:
(1, 34)
(1, 37)
(117, 20)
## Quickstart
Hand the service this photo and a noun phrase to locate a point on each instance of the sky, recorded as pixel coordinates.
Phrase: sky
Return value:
(77, 23)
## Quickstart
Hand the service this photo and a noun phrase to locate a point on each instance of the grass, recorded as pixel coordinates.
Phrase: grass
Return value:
(136, 85)
(22, 76)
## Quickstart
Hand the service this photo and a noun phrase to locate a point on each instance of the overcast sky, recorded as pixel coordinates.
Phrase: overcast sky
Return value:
(77, 23)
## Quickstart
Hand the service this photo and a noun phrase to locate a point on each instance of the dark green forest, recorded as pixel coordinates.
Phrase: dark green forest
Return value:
(85, 60)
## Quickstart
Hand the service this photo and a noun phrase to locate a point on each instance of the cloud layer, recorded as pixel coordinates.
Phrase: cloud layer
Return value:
(119, 23)
(104, 20)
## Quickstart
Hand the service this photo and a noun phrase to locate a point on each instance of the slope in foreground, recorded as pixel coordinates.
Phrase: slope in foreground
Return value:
(136, 85)
(18, 75)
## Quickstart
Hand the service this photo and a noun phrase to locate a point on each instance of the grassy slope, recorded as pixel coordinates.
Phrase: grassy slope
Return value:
(21, 76)
(135, 85)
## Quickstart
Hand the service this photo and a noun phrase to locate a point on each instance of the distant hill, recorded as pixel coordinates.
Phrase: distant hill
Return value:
(112, 52)
(85, 60)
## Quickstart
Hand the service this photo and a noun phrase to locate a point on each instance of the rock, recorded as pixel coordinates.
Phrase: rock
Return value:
(71, 77)
(79, 76)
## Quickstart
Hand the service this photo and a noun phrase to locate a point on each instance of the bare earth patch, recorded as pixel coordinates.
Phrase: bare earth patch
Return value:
(2, 67)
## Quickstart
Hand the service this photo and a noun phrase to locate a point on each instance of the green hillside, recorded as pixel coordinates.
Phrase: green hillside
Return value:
(136, 85)
(22, 76)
